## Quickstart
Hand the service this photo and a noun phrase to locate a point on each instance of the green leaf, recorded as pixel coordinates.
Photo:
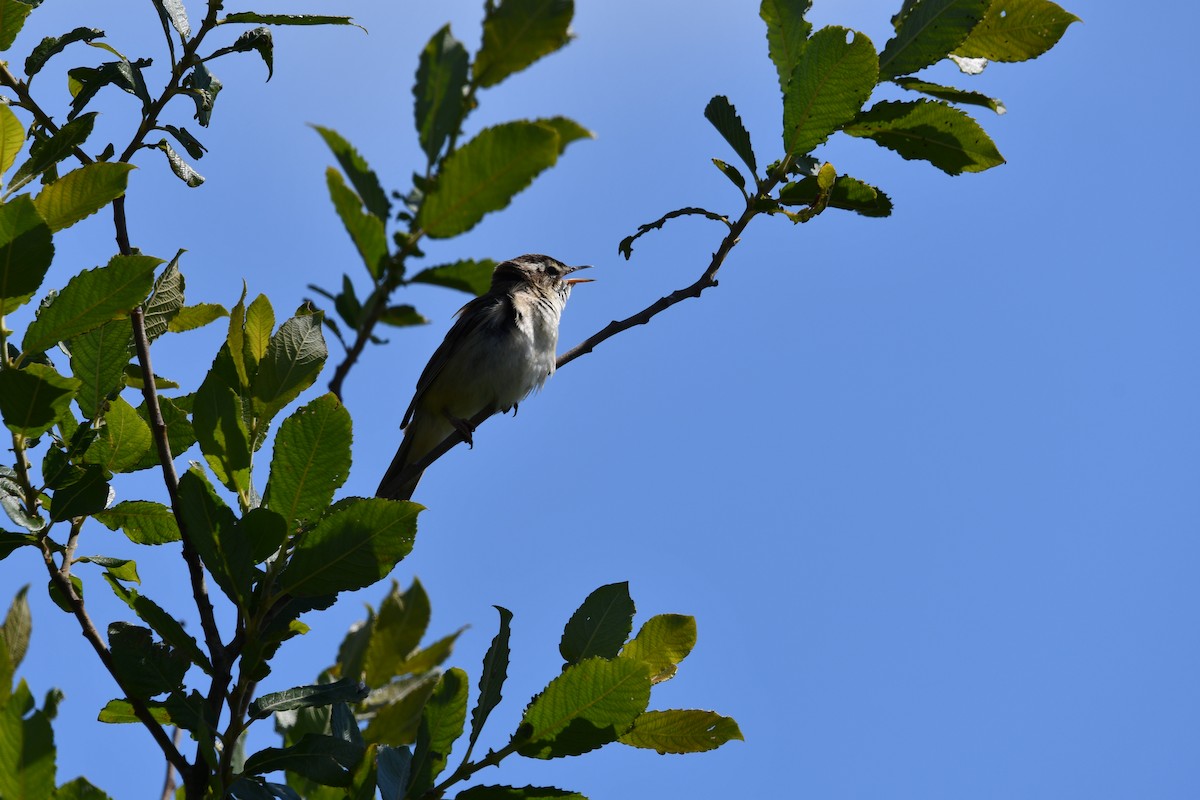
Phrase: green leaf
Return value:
(366, 230)
(148, 668)
(402, 316)
(123, 440)
(183, 170)
(518, 793)
(79, 789)
(164, 624)
(484, 174)
(358, 542)
(395, 766)
(12, 138)
(848, 193)
(324, 694)
(362, 177)
(930, 31)
(311, 460)
(32, 399)
(12, 499)
(731, 172)
(26, 251)
(189, 142)
(600, 626)
(589, 705)
(197, 316)
(142, 521)
(282, 626)
(292, 362)
(90, 299)
(831, 81)
(260, 322)
(787, 33)
(430, 657)
(180, 435)
(81, 193)
(397, 708)
(1017, 30)
(663, 641)
(14, 636)
(222, 434)
(83, 493)
(12, 19)
(517, 33)
(724, 117)
(203, 87)
(44, 153)
(214, 533)
(120, 712)
(399, 626)
(175, 12)
(441, 724)
(929, 130)
(52, 45)
(285, 19)
(26, 742)
(165, 301)
(258, 39)
(491, 679)
(679, 731)
(265, 530)
(10, 542)
(126, 75)
(951, 94)
(324, 759)
(568, 131)
(473, 276)
(98, 360)
(438, 92)
(61, 600)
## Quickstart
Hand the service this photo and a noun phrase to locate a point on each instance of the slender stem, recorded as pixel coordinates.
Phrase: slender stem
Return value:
(29, 104)
(169, 781)
(466, 770)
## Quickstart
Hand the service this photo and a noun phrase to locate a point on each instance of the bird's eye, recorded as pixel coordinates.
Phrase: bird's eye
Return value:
(552, 272)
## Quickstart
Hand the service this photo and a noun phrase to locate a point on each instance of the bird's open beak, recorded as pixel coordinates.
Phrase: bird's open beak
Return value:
(573, 281)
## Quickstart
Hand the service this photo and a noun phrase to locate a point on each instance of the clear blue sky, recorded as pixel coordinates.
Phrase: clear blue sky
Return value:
(929, 484)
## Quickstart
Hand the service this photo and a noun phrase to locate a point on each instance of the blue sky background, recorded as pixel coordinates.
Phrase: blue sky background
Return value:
(927, 483)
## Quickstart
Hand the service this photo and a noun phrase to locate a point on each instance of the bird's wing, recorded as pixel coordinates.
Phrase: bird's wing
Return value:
(470, 317)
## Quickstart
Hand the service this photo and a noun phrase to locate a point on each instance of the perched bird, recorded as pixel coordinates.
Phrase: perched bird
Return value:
(500, 349)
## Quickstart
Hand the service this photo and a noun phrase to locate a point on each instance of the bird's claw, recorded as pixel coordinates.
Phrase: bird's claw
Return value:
(464, 428)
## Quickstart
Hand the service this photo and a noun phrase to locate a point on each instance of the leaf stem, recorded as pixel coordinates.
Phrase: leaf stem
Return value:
(466, 770)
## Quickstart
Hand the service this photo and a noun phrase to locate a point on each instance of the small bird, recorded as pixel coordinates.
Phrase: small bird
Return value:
(501, 348)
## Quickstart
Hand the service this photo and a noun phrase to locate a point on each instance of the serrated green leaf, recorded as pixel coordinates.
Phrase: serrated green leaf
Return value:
(148, 668)
(90, 299)
(399, 627)
(568, 131)
(142, 521)
(265, 530)
(724, 117)
(120, 569)
(366, 230)
(517, 33)
(120, 712)
(83, 493)
(430, 657)
(442, 723)
(14, 636)
(324, 759)
(600, 626)
(286, 19)
(589, 705)
(951, 94)
(12, 19)
(203, 87)
(260, 322)
(402, 316)
(473, 276)
(26, 250)
(663, 641)
(180, 435)
(831, 81)
(397, 707)
(848, 193)
(183, 170)
(189, 142)
(123, 440)
(222, 433)
(787, 34)
(98, 360)
(518, 793)
(485, 174)
(164, 624)
(324, 694)
(930, 31)
(126, 75)
(197, 316)
(81, 193)
(52, 45)
(212, 528)
(177, 14)
(681, 731)
(79, 789)
(165, 301)
(362, 177)
(358, 542)
(1017, 30)
(44, 153)
(493, 675)
(311, 460)
(292, 362)
(260, 40)
(12, 138)
(32, 399)
(59, 598)
(27, 755)
(929, 130)
(730, 172)
(438, 91)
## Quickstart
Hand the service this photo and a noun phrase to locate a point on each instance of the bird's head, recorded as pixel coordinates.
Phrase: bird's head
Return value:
(538, 272)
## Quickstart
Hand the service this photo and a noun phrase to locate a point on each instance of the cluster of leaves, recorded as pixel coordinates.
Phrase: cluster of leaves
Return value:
(460, 184)
(828, 77)
(418, 712)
